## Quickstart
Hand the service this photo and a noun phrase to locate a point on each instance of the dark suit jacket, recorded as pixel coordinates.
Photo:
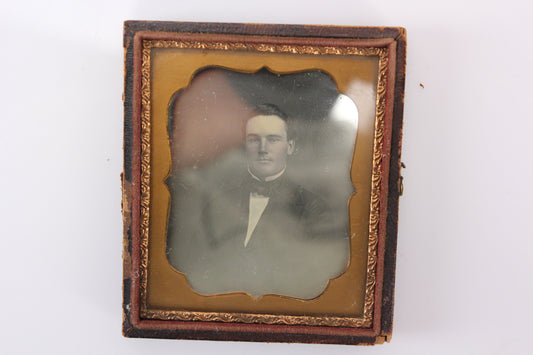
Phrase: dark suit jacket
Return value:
(294, 250)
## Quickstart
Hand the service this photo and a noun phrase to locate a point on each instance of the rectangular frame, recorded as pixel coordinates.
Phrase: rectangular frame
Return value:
(376, 324)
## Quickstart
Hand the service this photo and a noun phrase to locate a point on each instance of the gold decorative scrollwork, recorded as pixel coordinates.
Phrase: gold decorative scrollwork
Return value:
(375, 192)
(145, 171)
(256, 318)
(367, 319)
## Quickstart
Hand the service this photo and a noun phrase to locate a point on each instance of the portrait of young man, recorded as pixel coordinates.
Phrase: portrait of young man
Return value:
(244, 223)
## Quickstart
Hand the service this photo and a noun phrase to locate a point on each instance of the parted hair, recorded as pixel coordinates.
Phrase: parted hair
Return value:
(273, 110)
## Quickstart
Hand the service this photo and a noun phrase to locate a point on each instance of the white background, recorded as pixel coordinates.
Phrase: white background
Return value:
(464, 283)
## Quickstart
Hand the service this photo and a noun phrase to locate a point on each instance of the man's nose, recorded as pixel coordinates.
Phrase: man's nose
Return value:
(263, 145)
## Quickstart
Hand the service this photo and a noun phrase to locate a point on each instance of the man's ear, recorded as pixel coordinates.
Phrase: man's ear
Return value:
(290, 148)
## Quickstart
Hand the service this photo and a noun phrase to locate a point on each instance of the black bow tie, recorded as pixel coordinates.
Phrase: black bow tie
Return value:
(263, 188)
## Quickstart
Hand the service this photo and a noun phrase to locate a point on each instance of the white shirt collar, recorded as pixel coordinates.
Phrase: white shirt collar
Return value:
(268, 178)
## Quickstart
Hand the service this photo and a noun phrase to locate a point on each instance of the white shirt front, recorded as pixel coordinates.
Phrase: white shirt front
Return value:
(257, 206)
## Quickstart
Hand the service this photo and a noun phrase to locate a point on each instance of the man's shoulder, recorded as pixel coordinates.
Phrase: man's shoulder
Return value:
(317, 216)
(307, 202)
(302, 192)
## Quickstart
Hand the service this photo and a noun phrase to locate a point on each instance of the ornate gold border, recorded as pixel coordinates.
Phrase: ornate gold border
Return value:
(367, 320)
(145, 171)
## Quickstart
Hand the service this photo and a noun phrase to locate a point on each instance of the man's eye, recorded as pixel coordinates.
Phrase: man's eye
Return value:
(252, 140)
(274, 139)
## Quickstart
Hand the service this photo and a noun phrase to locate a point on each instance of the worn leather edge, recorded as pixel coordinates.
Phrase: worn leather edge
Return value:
(389, 269)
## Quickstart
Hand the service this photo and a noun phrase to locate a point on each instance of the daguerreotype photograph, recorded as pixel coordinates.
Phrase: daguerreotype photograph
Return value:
(259, 205)
(261, 162)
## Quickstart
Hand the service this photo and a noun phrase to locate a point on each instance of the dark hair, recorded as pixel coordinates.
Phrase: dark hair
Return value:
(270, 110)
(273, 110)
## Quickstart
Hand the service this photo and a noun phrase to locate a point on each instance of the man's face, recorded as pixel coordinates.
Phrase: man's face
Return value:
(267, 145)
